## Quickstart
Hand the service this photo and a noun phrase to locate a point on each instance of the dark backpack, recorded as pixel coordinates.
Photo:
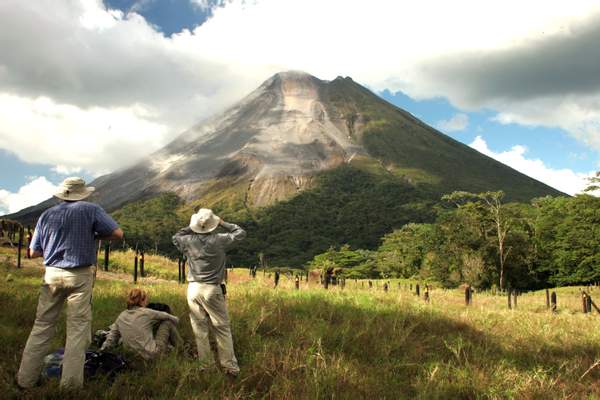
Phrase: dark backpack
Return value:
(96, 364)
(103, 363)
(160, 307)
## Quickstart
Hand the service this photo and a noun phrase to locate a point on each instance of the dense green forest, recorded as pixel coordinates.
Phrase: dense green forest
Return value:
(378, 225)
(476, 240)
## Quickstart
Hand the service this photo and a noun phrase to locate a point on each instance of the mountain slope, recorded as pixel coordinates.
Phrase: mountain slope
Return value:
(276, 141)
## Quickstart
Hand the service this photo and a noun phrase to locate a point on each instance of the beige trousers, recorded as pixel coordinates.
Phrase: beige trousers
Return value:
(166, 335)
(60, 285)
(207, 305)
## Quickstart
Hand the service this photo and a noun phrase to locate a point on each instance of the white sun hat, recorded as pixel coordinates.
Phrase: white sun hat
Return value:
(73, 189)
(204, 221)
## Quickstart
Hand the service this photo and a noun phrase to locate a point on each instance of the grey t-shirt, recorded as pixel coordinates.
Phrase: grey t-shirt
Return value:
(205, 252)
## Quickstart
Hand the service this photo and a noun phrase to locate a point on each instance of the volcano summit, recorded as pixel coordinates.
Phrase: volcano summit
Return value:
(273, 144)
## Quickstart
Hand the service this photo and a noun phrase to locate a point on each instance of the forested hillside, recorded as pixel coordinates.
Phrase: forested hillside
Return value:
(367, 223)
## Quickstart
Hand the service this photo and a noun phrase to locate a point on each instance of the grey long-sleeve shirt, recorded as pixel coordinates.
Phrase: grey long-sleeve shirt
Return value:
(205, 252)
(135, 327)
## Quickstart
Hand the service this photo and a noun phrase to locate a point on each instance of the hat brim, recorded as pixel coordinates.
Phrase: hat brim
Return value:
(74, 196)
(209, 226)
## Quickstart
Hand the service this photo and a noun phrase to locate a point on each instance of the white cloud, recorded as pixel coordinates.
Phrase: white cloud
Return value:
(64, 170)
(85, 68)
(565, 180)
(457, 122)
(35, 191)
(206, 5)
(99, 139)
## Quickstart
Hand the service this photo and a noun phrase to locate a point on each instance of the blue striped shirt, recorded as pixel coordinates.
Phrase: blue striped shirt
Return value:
(65, 233)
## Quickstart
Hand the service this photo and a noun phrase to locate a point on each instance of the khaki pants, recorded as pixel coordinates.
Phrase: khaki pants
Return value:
(60, 285)
(207, 304)
(166, 335)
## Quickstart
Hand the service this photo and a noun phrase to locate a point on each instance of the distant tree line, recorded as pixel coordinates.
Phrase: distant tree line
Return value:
(378, 226)
(476, 239)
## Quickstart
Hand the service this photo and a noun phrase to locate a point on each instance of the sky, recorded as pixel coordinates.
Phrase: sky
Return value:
(91, 86)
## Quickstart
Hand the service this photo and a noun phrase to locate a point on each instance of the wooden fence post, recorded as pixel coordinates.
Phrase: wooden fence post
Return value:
(509, 291)
(20, 246)
(142, 272)
(418, 290)
(592, 304)
(547, 298)
(426, 294)
(584, 302)
(468, 295)
(106, 255)
(589, 303)
(135, 268)
(297, 282)
(553, 301)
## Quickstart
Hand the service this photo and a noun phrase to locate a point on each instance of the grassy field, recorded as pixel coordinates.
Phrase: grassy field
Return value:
(344, 344)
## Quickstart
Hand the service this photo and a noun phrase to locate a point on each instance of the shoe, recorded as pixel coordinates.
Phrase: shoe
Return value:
(232, 374)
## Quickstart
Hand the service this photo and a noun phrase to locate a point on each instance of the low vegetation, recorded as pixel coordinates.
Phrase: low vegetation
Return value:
(351, 343)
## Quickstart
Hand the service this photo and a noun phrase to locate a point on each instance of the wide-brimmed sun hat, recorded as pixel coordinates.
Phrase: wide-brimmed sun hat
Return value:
(73, 188)
(204, 221)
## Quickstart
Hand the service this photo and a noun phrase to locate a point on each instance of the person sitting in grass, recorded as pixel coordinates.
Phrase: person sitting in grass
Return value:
(146, 331)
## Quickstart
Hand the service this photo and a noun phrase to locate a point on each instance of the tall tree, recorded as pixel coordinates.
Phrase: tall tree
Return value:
(501, 222)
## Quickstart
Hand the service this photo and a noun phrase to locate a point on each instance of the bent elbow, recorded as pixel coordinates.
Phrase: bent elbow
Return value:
(117, 234)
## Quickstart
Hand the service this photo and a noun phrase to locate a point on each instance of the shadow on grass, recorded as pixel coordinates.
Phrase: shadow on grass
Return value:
(307, 345)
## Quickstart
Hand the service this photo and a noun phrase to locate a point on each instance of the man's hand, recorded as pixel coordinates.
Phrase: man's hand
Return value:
(34, 253)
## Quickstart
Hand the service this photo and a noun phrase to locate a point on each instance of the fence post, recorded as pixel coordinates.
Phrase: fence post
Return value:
(589, 303)
(297, 282)
(553, 301)
(584, 302)
(426, 294)
(135, 268)
(468, 295)
(142, 272)
(418, 290)
(547, 298)
(20, 246)
(106, 255)
(509, 299)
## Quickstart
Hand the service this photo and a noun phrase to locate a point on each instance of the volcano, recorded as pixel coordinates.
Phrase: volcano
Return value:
(272, 144)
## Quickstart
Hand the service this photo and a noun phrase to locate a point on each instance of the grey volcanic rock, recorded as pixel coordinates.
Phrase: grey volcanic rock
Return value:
(276, 138)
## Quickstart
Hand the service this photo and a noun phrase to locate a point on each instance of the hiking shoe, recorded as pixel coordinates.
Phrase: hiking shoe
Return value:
(232, 374)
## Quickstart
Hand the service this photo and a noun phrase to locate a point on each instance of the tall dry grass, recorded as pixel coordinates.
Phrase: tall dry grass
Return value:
(352, 343)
